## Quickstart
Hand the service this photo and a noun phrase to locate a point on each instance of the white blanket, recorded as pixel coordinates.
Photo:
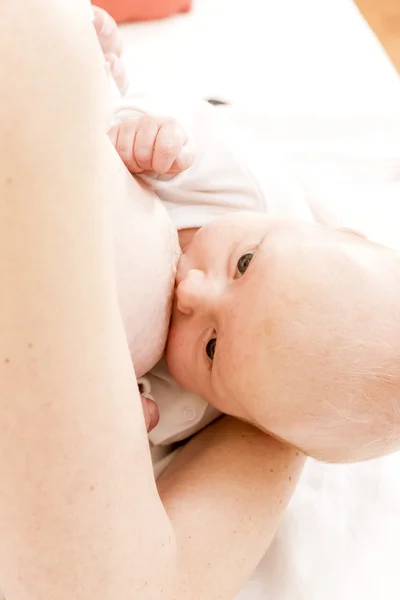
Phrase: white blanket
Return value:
(297, 64)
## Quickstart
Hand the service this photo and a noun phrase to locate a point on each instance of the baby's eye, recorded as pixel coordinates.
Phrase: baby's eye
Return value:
(210, 347)
(243, 263)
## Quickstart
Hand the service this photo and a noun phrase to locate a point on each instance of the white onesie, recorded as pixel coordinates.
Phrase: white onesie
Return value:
(341, 172)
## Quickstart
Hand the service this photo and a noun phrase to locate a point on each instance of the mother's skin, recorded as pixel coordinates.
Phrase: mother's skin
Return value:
(80, 516)
(70, 424)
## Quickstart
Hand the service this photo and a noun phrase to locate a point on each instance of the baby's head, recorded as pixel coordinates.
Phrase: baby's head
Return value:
(295, 328)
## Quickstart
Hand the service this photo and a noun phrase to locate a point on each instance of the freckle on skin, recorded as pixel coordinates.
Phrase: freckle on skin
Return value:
(290, 479)
(9, 180)
(271, 471)
(92, 488)
(30, 345)
(6, 361)
(268, 327)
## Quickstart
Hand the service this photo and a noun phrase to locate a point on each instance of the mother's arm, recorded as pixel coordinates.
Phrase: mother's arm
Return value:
(226, 492)
(80, 516)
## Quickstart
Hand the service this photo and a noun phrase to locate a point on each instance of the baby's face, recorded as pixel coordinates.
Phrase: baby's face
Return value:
(292, 327)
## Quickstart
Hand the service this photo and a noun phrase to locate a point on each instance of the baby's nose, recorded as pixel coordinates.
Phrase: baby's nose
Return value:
(195, 293)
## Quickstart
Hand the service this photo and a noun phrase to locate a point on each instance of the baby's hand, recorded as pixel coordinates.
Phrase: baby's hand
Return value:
(111, 44)
(154, 144)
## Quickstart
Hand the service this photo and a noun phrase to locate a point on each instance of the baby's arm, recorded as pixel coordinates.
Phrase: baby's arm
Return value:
(225, 494)
(218, 180)
(152, 135)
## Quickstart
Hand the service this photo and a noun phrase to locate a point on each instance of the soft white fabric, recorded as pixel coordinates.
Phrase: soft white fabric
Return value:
(307, 56)
(341, 170)
(339, 538)
(232, 171)
(181, 413)
(304, 64)
(348, 166)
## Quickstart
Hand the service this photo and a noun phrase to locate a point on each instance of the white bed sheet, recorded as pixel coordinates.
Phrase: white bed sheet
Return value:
(311, 55)
(340, 537)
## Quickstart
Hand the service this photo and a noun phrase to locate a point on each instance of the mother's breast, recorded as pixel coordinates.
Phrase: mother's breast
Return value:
(146, 252)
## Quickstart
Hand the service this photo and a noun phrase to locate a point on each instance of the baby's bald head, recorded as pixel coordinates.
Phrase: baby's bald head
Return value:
(335, 367)
(333, 376)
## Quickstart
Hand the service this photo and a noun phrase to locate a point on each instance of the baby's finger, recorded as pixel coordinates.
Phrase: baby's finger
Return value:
(184, 161)
(168, 146)
(118, 72)
(107, 32)
(144, 142)
(125, 143)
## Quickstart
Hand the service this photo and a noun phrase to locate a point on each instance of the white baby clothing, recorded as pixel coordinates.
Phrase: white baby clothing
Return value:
(326, 168)
(231, 171)
(182, 414)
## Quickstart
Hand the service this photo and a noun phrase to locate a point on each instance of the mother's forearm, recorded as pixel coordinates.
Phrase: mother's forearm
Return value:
(226, 493)
(79, 513)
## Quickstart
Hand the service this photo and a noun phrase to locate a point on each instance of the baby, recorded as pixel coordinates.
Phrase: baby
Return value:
(280, 318)
(294, 328)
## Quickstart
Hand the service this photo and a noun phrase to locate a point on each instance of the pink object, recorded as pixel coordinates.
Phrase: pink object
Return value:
(124, 11)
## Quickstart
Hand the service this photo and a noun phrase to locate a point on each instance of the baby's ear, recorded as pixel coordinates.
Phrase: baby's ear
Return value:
(351, 231)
